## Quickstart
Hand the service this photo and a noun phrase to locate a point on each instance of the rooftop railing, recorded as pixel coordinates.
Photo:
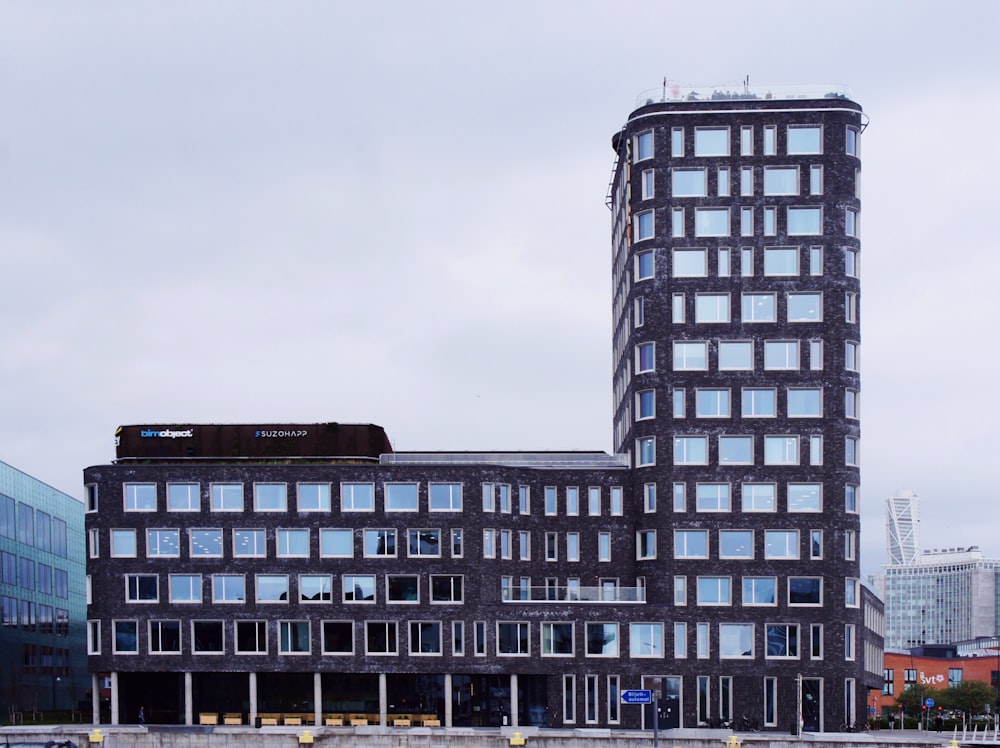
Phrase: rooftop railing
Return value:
(545, 460)
(674, 91)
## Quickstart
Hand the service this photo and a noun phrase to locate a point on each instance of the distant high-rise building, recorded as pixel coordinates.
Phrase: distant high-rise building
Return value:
(902, 527)
(43, 660)
(943, 597)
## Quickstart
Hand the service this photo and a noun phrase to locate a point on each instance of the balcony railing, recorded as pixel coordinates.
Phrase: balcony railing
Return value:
(674, 91)
(563, 594)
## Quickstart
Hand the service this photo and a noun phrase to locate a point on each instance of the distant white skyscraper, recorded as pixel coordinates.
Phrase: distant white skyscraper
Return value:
(902, 528)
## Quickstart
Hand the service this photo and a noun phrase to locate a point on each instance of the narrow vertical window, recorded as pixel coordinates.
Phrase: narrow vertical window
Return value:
(746, 181)
(614, 699)
(649, 497)
(770, 701)
(815, 449)
(677, 222)
(746, 261)
(701, 641)
(724, 187)
(591, 689)
(746, 221)
(815, 180)
(648, 184)
(770, 140)
(677, 142)
(569, 698)
(770, 221)
(680, 497)
(640, 311)
(677, 308)
(816, 641)
(815, 261)
(724, 270)
(680, 640)
(679, 402)
(703, 686)
(746, 140)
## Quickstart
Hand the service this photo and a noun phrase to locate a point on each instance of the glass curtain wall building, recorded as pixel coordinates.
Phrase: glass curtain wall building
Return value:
(43, 663)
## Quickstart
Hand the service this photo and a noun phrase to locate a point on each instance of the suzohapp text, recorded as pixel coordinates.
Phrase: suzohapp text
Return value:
(166, 433)
(259, 434)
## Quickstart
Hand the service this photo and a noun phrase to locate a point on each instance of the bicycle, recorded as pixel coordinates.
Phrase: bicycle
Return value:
(748, 723)
(851, 727)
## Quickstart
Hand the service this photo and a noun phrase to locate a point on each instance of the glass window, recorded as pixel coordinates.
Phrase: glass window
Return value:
(851, 450)
(851, 401)
(782, 640)
(736, 450)
(680, 497)
(805, 139)
(770, 140)
(126, 637)
(781, 354)
(645, 357)
(381, 638)
(711, 221)
(163, 543)
(711, 141)
(815, 261)
(644, 268)
(851, 498)
(648, 184)
(251, 637)
(229, 588)
(805, 590)
(679, 403)
(690, 543)
(645, 544)
(746, 221)
(293, 637)
(781, 450)
(781, 180)
(164, 637)
(272, 588)
(379, 543)
(677, 308)
(724, 269)
(735, 355)
(602, 639)
(645, 404)
(780, 544)
(357, 497)
(123, 543)
(711, 307)
(425, 637)
(759, 402)
(183, 497)
(715, 591)
(604, 546)
(815, 449)
(770, 221)
(445, 497)
(677, 142)
(805, 307)
(644, 228)
(644, 145)
(689, 182)
(402, 588)
(142, 588)
(649, 497)
(690, 263)
(759, 307)
(690, 356)
(851, 145)
(760, 591)
(690, 450)
(815, 180)
(850, 356)
(805, 402)
(746, 181)
(424, 543)
(640, 311)
(645, 640)
(513, 638)
(805, 221)
(735, 543)
(712, 497)
(723, 181)
(712, 403)
(270, 497)
(746, 140)
(206, 543)
(248, 543)
(359, 588)
(314, 497)
(400, 497)
(677, 222)
(805, 497)
(185, 588)
(781, 260)
(736, 640)
(139, 497)
(645, 451)
(227, 497)
(293, 542)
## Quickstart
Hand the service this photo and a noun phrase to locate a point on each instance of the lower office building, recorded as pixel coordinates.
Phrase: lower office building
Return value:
(311, 572)
(43, 665)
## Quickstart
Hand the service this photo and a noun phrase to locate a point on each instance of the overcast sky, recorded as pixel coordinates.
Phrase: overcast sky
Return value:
(393, 213)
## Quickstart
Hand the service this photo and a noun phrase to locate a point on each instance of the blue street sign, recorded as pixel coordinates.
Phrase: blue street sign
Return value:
(637, 696)
(929, 702)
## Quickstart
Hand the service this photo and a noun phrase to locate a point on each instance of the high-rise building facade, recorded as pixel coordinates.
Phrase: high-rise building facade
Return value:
(945, 596)
(902, 528)
(281, 570)
(736, 380)
(43, 662)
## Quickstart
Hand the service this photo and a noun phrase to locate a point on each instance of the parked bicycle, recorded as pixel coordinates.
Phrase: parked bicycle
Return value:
(748, 723)
(855, 727)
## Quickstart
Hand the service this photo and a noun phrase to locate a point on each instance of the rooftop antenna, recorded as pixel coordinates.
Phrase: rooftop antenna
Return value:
(664, 96)
(746, 84)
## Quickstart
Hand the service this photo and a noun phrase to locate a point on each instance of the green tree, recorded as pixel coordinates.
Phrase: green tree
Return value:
(913, 698)
(969, 696)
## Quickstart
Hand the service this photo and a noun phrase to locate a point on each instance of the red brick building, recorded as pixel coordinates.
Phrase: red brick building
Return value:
(933, 671)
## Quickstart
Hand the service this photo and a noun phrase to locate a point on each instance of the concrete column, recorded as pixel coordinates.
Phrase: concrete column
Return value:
(95, 698)
(515, 703)
(318, 698)
(114, 697)
(447, 699)
(383, 700)
(188, 698)
(253, 697)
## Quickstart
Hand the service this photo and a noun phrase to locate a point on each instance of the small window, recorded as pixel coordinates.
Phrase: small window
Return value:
(690, 450)
(679, 402)
(445, 497)
(805, 221)
(781, 544)
(314, 497)
(711, 141)
(736, 450)
(648, 184)
(851, 144)
(723, 181)
(770, 140)
(644, 145)
(712, 403)
(357, 497)
(746, 181)
(781, 180)
(644, 227)
(746, 140)
(805, 402)
(677, 222)
(711, 222)
(780, 261)
(645, 357)
(805, 140)
(645, 404)
(401, 497)
(689, 182)
(270, 497)
(805, 497)
(690, 263)
(227, 497)
(759, 307)
(711, 308)
(815, 180)
(645, 451)
(735, 355)
(644, 268)
(781, 450)
(677, 142)
(140, 497)
(690, 356)
(781, 354)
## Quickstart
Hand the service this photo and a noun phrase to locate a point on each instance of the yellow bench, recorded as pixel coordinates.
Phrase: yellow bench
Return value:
(334, 721)
(430, 721)
(208, 718)
(270, 720)
(358, 721)
(292, 720)
(232, 718)
(401, 722)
